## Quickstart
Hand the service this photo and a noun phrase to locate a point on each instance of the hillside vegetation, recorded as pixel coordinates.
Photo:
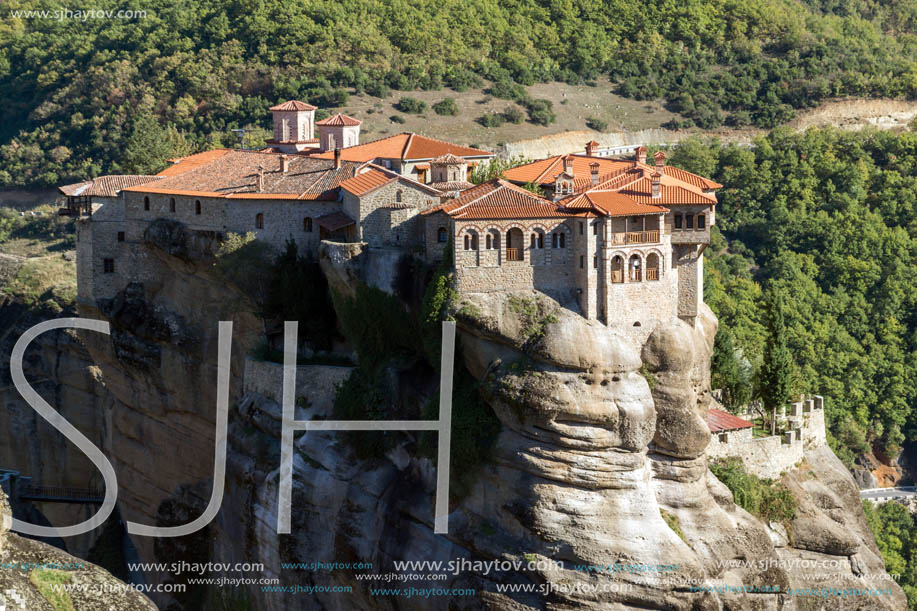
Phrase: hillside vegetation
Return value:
(85, 97)
(828, 220)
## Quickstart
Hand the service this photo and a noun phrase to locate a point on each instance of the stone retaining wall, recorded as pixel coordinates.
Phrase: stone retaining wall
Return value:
(316, 383)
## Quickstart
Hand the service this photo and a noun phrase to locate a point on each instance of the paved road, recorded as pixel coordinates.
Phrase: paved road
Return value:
(888, 493)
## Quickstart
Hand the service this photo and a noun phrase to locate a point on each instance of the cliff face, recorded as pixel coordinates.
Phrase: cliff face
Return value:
(599, 461)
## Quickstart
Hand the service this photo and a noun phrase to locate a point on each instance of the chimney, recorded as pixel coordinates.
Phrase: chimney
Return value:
(659, 158)
(641, 154)
(260, 178)
(591, 148)
(337, 157)
(284, 163)
(594, 172)
(657, 184)
(568, 164)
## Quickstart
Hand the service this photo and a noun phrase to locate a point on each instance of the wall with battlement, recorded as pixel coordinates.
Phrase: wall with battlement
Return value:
(315, 383)
(770, 456)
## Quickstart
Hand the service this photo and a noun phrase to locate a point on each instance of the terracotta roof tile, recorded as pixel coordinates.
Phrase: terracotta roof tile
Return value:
(367, 181)
(406, 146)
(719, 421)
(106, 186)
(612, 203)
(293, 105)
(448, 158)
(499, 199)
(454, 185)
(184, 164)
(235, 174)
(339, 120)
(335, 221)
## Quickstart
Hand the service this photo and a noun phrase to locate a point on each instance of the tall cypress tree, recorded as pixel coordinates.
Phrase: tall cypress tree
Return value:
(777, 368)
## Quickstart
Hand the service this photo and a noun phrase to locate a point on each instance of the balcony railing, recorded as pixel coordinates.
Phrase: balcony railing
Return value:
(634, 275)
(636, 237)
(652, 273)
(514, 254)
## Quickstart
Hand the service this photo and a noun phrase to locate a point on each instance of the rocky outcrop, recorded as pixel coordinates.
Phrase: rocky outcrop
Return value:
(94, 588)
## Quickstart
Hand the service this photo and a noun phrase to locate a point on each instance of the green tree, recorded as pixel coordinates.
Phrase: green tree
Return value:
(730, 371)
(446, 106)
(148, 147)
(776, 372)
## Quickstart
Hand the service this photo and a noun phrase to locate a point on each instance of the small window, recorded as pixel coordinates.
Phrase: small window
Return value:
(678, 221)
(563, 240)
(120, 236)
(171, 204)
(197, 206)
(540, 240)
(146, 203)
(595, 262)
(259, 221)
(555, 241)
(689, 221)
(595, 229)
(441, 235)
(581, 228)
(701, 221)
(307, 224)
(532, 241)
(108, 266)
(489, 241)
(581, 261)
(398, 196)
(467, 242)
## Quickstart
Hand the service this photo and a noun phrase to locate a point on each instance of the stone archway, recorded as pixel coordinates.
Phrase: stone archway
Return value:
(515, 243)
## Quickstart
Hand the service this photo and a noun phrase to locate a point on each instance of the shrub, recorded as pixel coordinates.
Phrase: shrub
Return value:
(397, 119)
(507, 90)
(491, 120)
(411, 105)
(446, 106)
(598, 125)
(513, 114)
(541, 112)
(769, 500)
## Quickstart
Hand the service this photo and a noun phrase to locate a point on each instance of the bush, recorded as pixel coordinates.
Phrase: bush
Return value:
(397, 119)
(446, 106)
(598, 125)
(769, 500)
(506, 89)
(541, 112)
(491, 120)
(513, 114)
(411, 105)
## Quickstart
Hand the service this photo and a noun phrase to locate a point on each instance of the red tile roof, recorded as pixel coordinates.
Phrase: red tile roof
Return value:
(719, 421)
(234, 173)
(334, 221)
(106, 186)
(367, 181)
(339, 120)
(612, 203)
(293, 105)
(448, 158)
(406, 146)
(500, 199)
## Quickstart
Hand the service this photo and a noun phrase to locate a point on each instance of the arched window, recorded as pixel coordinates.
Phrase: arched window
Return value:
(307, 224)
(398, 196)
(171, 204)
(467, 242)
(441, 235)
(537, 240)
(617, 269)
(532, 241)
(197, 206)
(259, 221)
(555, 240)
(563, 240)
(146, 203)
(652, 266)
(634, 269)
(488, 241)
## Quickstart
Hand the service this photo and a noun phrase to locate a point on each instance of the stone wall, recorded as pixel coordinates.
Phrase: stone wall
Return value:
(770, 456)
(386, 221)
(316, 383)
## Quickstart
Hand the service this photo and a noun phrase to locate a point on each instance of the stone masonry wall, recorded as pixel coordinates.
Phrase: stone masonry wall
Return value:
(770, 456)
(388, 222)
(316, 383)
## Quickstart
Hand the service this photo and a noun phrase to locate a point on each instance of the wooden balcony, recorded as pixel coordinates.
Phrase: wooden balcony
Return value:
(636, 237)
(514, 254)
(634, 275)
(652, 273)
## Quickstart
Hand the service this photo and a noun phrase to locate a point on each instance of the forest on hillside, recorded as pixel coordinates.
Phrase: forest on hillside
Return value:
(80, 98)
(827, 220)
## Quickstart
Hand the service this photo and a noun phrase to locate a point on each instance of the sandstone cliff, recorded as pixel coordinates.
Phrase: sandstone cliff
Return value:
(599, 460)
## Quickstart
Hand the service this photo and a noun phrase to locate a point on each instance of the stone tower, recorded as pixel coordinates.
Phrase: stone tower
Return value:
(338, 131)
(448, 168)
(294, 125)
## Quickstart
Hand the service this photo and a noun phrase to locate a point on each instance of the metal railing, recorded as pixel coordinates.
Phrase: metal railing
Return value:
(61, 494)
